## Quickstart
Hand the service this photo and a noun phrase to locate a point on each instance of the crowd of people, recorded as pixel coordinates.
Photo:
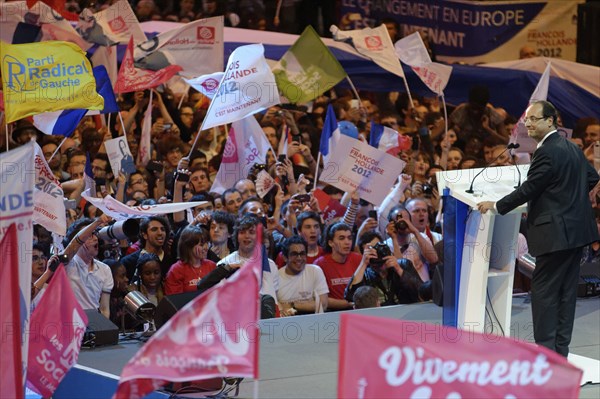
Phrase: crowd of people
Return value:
(289, 16)
(388, 252)
(372, 255)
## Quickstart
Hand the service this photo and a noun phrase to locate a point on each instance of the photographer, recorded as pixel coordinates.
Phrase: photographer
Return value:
(90, 279)
(395, 279)
(406, 242)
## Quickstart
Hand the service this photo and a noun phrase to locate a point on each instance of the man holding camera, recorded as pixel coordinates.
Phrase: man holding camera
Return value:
(90, 279)
(407, 242)
(395, 279)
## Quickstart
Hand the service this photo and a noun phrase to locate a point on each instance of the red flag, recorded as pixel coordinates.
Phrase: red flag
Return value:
(59, 324)
(215, 335)
(330, 207)
(133, 79)
(419, 360)
(11, 363)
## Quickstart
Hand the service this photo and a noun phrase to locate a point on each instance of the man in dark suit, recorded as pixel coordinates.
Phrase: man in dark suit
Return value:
(560, 222)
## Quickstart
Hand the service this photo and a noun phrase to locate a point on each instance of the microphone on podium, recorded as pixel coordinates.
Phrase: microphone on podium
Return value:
(514, 162)
(508, 147)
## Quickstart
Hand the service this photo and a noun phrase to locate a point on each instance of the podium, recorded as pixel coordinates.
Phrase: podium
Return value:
(479, 250)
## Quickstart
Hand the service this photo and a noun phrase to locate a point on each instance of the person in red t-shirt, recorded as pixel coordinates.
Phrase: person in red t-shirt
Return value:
(339, 264)
(192, 265)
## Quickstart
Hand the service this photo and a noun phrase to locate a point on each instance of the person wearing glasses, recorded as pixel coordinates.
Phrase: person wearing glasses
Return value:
(560, 222)
(302, 287)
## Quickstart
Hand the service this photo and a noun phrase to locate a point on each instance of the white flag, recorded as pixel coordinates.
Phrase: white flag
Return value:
(519, 132)
(247, 87)
(374, 43)
(245, 146)
(114, 25)
(197, 47)
(48, 196)
(411, 50)
(107, 56)
(206, 84)
(541, 91)
(119, 211)
(145, 151)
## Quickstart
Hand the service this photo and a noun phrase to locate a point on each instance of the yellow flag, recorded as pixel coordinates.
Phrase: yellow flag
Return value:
(44, 77)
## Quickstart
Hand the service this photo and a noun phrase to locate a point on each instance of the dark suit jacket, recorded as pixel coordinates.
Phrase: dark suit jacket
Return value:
(559, 214)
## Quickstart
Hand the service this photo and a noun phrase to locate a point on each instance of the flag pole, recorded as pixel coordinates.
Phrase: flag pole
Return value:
(353, 89)
(122, 124)
(412, 105)
(183, 96)
(108, 123)
(7, 135)
(57, 148)
(317, 171)
(445, 115)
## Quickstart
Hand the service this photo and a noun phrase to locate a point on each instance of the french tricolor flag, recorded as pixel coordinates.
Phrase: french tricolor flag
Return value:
(329, 136)
(387, 139)
(65, 122)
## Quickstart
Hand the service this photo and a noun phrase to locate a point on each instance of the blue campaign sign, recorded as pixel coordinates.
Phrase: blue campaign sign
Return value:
(457, 29)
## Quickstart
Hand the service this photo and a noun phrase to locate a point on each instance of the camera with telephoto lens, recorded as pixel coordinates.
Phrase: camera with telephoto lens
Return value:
(382, 251)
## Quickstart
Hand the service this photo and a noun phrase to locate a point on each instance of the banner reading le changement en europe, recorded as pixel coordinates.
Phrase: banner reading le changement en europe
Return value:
(45, 77)
(482, 31)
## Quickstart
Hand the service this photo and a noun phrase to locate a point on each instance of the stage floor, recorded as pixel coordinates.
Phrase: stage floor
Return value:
(299, 355)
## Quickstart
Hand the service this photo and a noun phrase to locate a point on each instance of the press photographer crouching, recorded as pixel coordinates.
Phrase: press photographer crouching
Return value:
(396, 280)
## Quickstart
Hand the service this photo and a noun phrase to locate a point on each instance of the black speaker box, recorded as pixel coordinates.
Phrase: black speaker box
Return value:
(100, 331)
(589, 280)
(169, 305)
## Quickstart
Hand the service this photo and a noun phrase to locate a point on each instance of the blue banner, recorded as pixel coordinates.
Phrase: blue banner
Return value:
(461, 29)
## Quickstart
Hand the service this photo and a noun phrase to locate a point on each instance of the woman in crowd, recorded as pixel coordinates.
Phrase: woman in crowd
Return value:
(149, 278)
(192, 265)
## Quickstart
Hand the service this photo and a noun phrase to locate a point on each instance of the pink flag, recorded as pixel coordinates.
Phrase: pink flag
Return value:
(58, 323)
(131, 78)
(418, 360)
(215, 335)
(411, 50)
(519, 132)
(245, 146)
(11, 376)
(145, 151)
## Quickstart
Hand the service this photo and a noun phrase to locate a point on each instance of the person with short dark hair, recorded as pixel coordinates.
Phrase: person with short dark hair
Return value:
(302, 286)
(154, 238)
(232, 200)
(245, 235)
(339, 263)
(221, 229)
(90, 279)
(560, 222)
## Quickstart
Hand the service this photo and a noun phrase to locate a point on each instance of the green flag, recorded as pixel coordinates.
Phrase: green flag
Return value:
(307, 69)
